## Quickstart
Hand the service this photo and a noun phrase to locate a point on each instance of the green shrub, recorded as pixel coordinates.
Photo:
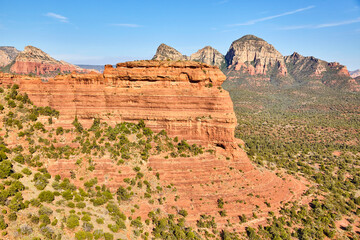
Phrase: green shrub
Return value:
(81, 235)
(20, 159)
(67, 195)
(98, 234)
(72, 221)
(35, 219)
(46, 196)
(12, 216)
(44, 219)
(5, 169)
(100, 221)
(81, 205)
(45, 211)
(3, 224)
(108, 236)
(26, 171)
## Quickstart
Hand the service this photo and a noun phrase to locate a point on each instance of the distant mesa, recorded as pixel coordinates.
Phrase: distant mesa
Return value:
(251, 61)
(33, 61)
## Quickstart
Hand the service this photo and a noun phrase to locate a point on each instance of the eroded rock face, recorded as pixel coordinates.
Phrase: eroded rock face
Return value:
(209, 56)
(7, 55)
(255, 56)
(165, 52)
(34, 60)
(184, 98)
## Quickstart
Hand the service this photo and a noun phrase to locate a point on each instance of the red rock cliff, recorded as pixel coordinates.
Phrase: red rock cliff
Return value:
(184, 98)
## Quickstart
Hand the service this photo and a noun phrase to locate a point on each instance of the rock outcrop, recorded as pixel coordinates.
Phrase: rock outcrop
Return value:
(255, 56)
(307, 69)
(209, 56)
(34, 60)
(355, 74)
(184, 98)
(7, 55)
(165, 52)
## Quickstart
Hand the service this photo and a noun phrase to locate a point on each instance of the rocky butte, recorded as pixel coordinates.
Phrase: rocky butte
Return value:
(184, 98)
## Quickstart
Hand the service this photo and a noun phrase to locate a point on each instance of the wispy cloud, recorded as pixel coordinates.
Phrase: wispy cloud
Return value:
(324, 25)
(252, 22)
(57, 17)
(129, 25)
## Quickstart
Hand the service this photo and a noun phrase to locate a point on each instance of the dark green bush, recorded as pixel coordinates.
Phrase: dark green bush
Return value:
(46, 196)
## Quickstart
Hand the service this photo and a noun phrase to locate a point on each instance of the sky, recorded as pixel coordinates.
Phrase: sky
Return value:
(107, 32)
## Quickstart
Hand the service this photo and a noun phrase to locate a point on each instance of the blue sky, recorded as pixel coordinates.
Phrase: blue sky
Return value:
(101, 32)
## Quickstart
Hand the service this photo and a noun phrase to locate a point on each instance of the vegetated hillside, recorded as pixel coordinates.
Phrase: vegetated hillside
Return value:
(123, 181)
(314, 132)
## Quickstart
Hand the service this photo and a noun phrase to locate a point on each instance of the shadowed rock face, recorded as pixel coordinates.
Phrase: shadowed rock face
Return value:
(209, 56)
(34, 60)
(7, 55)
(184, 98)
(165, 52)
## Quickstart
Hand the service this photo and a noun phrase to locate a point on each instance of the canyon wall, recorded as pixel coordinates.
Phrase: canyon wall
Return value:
(184, 98)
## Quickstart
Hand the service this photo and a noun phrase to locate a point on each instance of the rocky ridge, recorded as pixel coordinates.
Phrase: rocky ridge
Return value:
(7, 55)
(165, 52)
(305, 69)
(252, 61)
(355, 73)
(255, 56)
(34, 60)
(209, 55)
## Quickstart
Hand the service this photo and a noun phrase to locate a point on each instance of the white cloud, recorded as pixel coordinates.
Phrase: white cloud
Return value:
(252, 22)
(129, 25)
(324, 25)
(57, 17)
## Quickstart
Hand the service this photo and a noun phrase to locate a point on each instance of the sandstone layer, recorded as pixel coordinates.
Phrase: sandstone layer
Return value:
(184, 98)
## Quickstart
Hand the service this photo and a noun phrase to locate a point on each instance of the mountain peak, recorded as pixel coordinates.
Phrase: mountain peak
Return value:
(209, 55)
(250, 37)
(253, 55)
(165, 52)
(7, 55)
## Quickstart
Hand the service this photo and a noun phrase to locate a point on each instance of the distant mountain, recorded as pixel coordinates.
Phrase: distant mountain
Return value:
(305, 69)
(165, 52)
(7, 55)
(34, 61)
(99, 68)
(355, 73)
(209, 56)
(252, 61)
